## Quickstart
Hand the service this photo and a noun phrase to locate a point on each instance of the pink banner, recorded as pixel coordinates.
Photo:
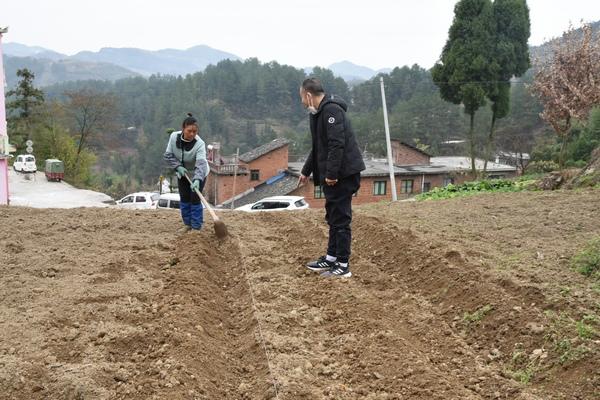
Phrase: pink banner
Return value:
(3, 136)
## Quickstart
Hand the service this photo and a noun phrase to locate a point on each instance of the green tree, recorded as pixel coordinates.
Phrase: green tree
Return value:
(53, 141)
(510, 58)
(464, 72)
(22, 105)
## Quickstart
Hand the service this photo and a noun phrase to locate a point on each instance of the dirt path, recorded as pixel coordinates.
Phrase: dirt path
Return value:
(443, 304)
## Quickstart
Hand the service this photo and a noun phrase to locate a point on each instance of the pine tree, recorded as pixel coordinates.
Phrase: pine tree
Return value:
(23, 101)
(464, 72)
(510, 58)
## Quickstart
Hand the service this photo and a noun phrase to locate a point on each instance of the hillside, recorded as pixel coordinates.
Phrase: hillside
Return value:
(354, 73)
(165, 62)
(463, 299)
(544, 51)
(49, 72)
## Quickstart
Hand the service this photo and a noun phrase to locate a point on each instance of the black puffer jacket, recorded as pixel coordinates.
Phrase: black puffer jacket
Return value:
(335, 153)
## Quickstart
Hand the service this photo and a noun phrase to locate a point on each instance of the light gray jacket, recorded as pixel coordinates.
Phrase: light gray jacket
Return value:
(193, 160)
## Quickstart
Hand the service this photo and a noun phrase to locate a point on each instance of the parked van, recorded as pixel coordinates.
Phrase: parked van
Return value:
(25, 163)
(138, 201)
(168, 201)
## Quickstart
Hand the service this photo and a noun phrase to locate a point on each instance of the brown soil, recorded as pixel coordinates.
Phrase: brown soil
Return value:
(460, 299)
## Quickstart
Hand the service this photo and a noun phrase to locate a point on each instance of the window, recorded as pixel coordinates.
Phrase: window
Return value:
(319, 192)
(270, 205)
(140, 199)
(255, 175)
(29, 159)
(174, 204)
(426, 186)
(406, 186)
(128, 199)
(448, 181)
(155, 197)
(163, 203)
(379, 188)
(300, 203)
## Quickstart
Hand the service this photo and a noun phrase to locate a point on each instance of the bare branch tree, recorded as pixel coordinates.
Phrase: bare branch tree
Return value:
(568, 83)
(92, 112)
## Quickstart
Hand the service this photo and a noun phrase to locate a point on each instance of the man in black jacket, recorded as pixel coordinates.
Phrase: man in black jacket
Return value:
(335, 162)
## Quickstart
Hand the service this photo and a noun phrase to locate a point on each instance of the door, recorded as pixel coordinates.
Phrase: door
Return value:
(18, 165)
(127, 202)
(141, 202)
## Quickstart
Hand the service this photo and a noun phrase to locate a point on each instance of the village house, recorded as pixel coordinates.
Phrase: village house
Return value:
(250, 170)
(265, 172)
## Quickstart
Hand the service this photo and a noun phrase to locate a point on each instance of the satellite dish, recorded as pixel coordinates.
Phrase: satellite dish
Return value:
(29, 143)
(29, 149)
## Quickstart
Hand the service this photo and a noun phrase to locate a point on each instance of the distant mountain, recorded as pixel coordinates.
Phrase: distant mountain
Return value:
(353, 72)
(166, 61)
(21, 50)
(107, 64)
(48, 72)
(545, 50)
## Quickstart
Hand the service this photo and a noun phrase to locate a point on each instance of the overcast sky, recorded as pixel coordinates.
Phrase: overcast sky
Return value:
(374, 33)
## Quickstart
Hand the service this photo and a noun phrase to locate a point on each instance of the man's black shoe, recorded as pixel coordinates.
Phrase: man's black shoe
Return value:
(321, 264)
(337, 271)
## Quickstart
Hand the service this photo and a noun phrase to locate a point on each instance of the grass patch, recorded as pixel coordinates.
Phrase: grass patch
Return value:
(565, 291)
(477, 316)
(522, 367)
(587, 261)
(568, 337)
(524, 375)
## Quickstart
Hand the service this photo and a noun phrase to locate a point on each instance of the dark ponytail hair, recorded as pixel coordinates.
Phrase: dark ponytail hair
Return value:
(190, 120)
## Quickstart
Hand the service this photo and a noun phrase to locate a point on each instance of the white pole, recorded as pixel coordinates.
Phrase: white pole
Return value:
(235, 167)
(388, 143)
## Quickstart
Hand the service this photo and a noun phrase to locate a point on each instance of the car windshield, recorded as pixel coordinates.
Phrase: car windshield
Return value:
(300, 203)
(270, 205)
(30, 159)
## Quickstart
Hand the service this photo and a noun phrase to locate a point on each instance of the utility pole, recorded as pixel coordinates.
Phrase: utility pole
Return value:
(388, 143)
(4, 147)
(235, 169)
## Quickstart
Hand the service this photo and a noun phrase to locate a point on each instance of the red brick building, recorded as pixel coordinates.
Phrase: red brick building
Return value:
(415, 172)
(252, 169)
(265, 171)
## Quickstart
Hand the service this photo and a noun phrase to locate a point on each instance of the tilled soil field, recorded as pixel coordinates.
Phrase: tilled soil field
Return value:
(461, 299)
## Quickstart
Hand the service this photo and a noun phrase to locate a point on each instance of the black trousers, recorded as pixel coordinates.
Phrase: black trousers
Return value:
(186, 194)
(338, 213)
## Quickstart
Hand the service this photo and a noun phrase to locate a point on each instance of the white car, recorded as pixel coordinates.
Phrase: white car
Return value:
(139, 201)
(276, 203)
(25, 163)
(168, 201)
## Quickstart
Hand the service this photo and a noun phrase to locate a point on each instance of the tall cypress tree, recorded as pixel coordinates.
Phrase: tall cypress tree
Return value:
(464, 72)
(510, 57)
(23, 101)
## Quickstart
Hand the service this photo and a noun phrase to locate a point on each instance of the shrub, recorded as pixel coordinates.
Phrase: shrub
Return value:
(587, 261)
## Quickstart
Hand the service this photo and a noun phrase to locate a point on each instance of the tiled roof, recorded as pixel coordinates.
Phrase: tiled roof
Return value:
(264, 149)
(439, 165)
(415, 148)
